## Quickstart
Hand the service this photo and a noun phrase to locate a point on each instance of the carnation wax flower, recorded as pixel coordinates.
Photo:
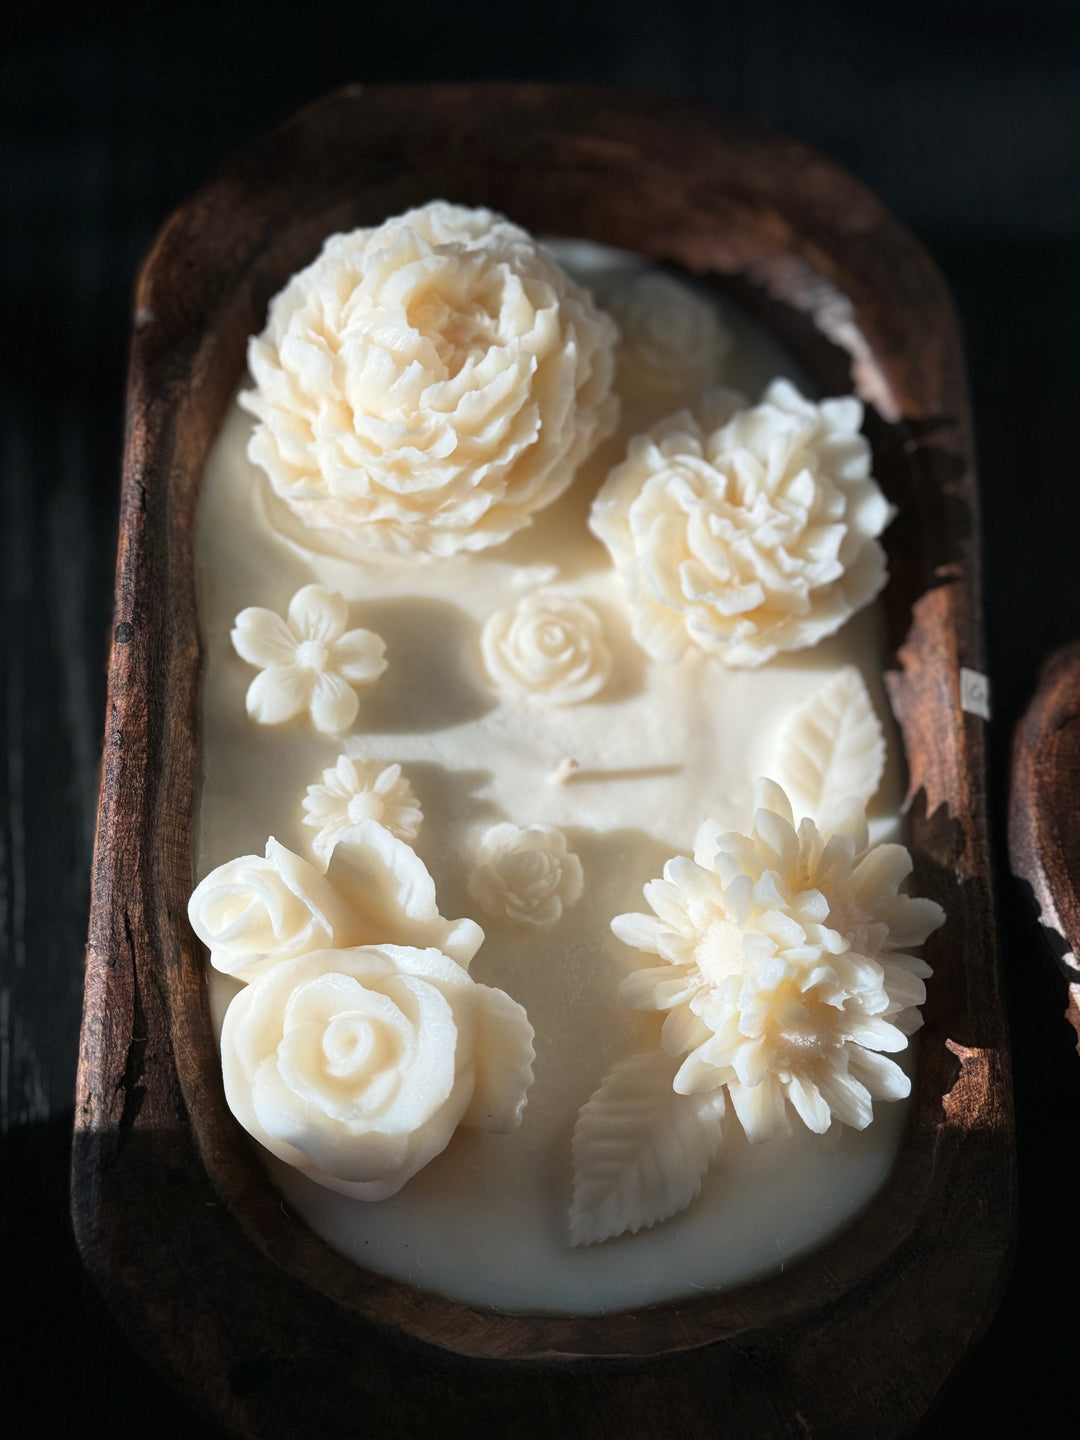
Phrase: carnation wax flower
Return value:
(357, 1065)
(745, 531)
(786, 974)
(427, 385)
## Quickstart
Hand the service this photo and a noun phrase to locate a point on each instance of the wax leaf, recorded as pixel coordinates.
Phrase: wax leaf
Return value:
(831, 747)
(503, 1060)
(640, 1150)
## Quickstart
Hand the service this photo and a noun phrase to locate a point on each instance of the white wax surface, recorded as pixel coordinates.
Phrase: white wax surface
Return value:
(661, 748)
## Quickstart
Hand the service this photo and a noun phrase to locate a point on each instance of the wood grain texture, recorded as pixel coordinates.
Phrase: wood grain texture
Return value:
(1044, 818)
(261, 1325)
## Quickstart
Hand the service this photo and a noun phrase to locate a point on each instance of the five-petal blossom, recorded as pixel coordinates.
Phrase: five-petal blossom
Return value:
(308, 662)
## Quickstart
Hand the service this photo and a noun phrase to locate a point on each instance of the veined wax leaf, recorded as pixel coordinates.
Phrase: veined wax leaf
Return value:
(640, 1150)
(831, 747)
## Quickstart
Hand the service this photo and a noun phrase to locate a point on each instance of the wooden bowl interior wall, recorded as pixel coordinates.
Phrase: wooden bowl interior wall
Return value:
(792, 236)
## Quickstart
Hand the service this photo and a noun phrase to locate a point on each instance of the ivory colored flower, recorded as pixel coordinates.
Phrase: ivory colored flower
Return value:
(785, 973)
(357, 1065)
(549, 647)
(355, 790)
(429, 384)
(672, 342)
(746, 531)
(308, 662)
(254, 912)
(526, 875)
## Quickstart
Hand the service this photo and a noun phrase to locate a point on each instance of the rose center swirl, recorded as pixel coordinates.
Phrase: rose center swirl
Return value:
(357, 1046)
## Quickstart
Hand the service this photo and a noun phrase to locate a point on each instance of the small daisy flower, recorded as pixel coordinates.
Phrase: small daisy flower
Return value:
(355, 790)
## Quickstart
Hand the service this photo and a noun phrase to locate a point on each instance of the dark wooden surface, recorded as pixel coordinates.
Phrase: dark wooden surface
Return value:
(964, 117)
(1044, 812)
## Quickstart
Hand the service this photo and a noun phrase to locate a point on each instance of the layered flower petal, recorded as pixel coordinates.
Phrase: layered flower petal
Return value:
(333, 703)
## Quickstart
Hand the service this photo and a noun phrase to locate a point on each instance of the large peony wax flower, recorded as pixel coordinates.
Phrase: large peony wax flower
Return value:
(258, 910)
(357, 1065)
(427, 385)
(785, 970)
(745, 531)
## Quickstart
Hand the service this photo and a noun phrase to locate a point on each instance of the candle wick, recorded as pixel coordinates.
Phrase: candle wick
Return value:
(566, 769)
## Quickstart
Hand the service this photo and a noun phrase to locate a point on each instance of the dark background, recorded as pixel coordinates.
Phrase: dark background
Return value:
(964, 116)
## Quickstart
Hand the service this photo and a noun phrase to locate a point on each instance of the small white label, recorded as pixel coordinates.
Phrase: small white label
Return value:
(975, 693)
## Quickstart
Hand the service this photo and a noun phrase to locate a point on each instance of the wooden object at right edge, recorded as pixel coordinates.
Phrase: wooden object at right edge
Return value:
(1044, 826)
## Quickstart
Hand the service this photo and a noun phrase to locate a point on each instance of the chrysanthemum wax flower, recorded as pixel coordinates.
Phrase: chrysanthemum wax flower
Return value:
(786, 981)
(786, 971)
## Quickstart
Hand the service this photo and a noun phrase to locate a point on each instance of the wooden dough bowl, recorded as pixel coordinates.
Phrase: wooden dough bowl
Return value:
(258, 1323)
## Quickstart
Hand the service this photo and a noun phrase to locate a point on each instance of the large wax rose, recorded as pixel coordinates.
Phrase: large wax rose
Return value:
(357, 1065)
(427, 385)
(745, 530)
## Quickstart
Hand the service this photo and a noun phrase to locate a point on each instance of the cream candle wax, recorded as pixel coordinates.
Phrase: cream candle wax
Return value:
(542, 745)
